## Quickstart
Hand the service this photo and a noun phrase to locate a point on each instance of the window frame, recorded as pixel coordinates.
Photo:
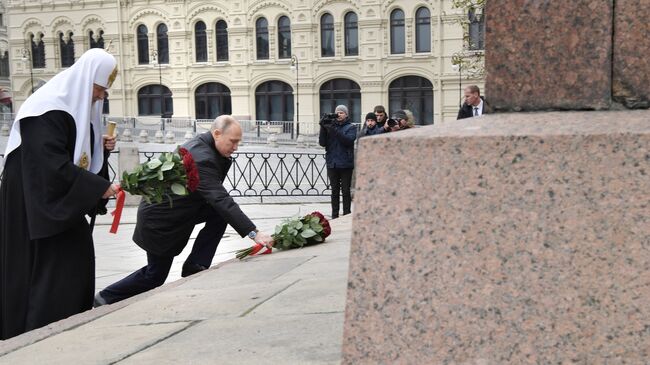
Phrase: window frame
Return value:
(349, 26)
(200, 42)
(262, 40)
(397, 24)
(221, 40)
(142, 43)
(327, 28)
(422, 22)
(222, 94)
(284, 33)
(162, 42)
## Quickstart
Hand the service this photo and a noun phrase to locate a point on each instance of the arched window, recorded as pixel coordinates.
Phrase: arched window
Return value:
(96, 43)
(143, 45)
(284, 37)
(38, 51)
(150, 98)
(341, 92)
(106, 105)
(163, 44)
(476, 30)
(423, 30)
(4, 65)
(222, 41)
(351, 34)
(327, 35)
(67, 49)
(262, 37)
(212, 100)
(414, 93)
(274, 101)
(201, 41)
(397, 33)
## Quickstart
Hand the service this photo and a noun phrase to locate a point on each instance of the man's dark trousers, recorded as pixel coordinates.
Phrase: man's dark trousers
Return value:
(155, 273)
(340, 179)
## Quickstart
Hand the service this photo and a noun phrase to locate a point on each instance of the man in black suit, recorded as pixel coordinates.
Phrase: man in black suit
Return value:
(474, 105)
(163, 230)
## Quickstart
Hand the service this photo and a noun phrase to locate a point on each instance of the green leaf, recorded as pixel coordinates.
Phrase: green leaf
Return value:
(298, 225)
(278, 229)
(179, 189)
(307, 233)
(154, 164)
(168, 165)
(161, 176)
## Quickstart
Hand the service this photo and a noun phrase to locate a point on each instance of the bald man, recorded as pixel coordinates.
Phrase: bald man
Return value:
(163, 231)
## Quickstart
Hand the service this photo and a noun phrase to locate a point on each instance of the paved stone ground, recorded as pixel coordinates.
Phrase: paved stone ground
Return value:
(117, 255)
(284, 308)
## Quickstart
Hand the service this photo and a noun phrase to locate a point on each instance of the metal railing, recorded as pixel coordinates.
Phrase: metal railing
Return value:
(261, 174)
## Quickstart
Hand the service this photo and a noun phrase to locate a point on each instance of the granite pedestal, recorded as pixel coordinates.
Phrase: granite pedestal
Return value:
(514, 238)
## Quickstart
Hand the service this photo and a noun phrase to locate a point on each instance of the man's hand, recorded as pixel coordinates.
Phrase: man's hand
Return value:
(109, 142)
(111, 191)
(264, 239)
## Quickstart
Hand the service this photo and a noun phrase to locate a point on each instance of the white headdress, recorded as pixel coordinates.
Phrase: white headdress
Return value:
(72, 91)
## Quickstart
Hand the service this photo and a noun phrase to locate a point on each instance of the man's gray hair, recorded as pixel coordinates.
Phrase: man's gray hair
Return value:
(222, 123)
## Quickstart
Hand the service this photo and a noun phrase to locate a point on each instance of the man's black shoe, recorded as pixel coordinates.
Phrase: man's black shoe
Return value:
(190, 268)
(99, 301)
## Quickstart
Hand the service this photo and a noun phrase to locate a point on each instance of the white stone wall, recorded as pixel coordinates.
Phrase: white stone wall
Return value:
(374, 69)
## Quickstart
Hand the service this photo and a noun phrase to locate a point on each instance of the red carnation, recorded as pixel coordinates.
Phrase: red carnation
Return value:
(190, 169)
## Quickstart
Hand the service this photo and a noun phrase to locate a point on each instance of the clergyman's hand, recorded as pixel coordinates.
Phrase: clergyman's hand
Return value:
(111, 191)
(264, 239)
(109, 142)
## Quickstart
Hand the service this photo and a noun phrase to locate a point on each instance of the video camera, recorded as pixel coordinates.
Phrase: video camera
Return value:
(328, 119)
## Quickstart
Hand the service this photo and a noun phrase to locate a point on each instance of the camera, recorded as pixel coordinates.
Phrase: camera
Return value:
(391, 122)
(328, 119)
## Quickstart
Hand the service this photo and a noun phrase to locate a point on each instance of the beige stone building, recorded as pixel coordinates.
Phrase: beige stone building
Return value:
(240, 56)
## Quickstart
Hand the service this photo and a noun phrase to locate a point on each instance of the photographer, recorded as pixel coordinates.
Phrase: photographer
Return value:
(337, 135)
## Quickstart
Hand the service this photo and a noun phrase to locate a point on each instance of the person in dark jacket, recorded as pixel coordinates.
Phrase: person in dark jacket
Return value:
(163, 230)
(474, 105)
(338, 139)
(371, 127)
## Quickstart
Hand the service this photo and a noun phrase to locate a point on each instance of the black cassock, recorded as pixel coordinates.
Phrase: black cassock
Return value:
(47, 261)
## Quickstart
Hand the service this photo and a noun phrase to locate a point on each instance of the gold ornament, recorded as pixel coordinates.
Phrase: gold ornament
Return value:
(83, 161)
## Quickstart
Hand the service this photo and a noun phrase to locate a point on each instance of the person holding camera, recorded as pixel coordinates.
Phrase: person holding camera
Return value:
(337, 135)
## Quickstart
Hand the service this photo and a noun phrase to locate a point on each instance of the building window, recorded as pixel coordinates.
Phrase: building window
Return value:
(274, 102)
(284, 37)
(201, 40)
(212, 100)
(423, 30)
(163, 44)
(67, 50)
(38, 51)
(106, 106)
(96, 43)
(4, 65)
(327, 35)
(341, 92)
(222, 41)
(476, 31)
(351, 35)
(143, 45)
(262, 36)
(150, 98)
(397, 43)
(2, 21)
(414, 93)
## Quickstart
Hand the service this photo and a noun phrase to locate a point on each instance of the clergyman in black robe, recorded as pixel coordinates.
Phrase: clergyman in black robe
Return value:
(49, 184)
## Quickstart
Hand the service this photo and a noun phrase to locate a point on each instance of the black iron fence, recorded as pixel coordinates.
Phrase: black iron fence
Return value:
(262, 174)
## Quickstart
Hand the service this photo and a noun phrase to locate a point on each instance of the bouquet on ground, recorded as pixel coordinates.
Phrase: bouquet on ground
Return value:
(296, 232)
(172, 173)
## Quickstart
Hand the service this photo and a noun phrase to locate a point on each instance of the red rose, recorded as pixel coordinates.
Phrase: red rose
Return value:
(327, 230)
(190, 169)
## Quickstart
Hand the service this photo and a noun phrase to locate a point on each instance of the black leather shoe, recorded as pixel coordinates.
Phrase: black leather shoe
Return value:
(190, 268)
(99, 301)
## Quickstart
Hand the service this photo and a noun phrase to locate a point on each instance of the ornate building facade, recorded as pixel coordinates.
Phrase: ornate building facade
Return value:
(255, 59)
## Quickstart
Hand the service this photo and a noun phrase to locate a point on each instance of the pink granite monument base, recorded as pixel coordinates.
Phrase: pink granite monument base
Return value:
(506, 239)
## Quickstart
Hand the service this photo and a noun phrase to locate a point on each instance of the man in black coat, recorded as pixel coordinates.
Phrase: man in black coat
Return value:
(163, 230)
(474, 105)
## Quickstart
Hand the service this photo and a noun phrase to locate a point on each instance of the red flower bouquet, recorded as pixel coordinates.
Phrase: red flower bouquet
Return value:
(171, 173)
(295, 232)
